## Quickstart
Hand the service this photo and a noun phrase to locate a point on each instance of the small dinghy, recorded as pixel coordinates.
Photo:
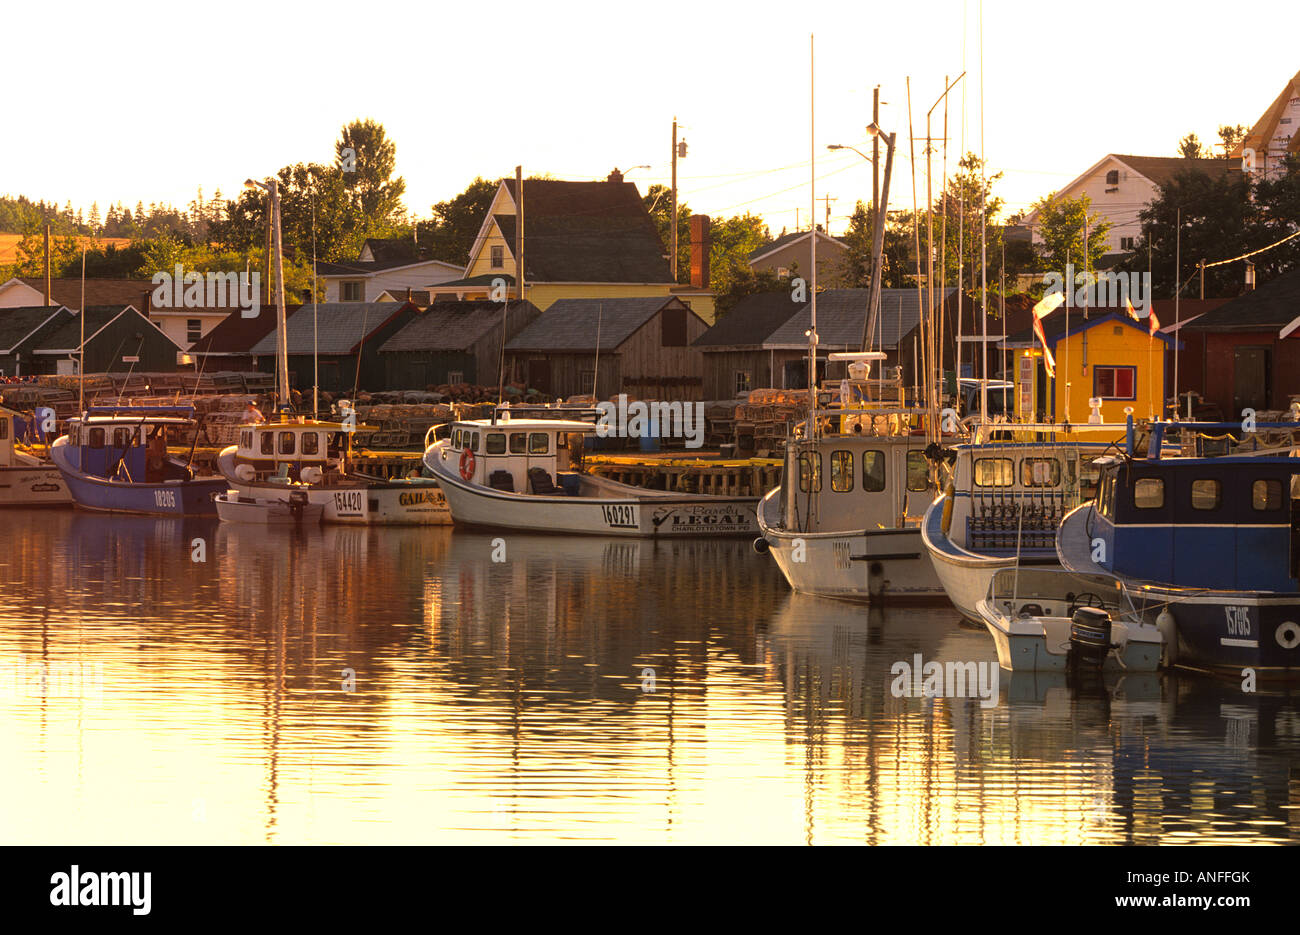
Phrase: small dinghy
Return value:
(1045, 620)
(295, 510)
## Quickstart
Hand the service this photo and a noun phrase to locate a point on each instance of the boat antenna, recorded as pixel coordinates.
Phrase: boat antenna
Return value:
(984, 257)
(595, 372)
(81, 350)
(315, 330)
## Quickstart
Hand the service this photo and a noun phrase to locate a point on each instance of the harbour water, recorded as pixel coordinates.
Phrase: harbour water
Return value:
(390, 685)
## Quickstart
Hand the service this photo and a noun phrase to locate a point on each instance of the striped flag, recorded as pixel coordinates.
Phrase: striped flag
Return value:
(1154, 324)
(1132, 313)
(1045, 307)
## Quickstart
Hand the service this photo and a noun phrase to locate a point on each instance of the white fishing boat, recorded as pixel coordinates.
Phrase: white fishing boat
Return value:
(1010, 488)
(282, 460)
(510, 473)
(26, 480)
(297, 510)
(1042, 620)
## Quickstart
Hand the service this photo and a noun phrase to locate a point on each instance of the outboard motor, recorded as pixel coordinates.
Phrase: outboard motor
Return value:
(297, 503)
(1089, 636)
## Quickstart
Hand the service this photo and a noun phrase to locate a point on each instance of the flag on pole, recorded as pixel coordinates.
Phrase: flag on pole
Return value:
(1154, 324)
(1044, 308)
(1132, 313)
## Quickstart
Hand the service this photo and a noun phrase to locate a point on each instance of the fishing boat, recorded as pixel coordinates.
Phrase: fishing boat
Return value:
(115, 459)
(1010, 488)
(24, 479)
(1207, 547)
(297, 510)
(284, 460)
(509, 473)
(1044, 620)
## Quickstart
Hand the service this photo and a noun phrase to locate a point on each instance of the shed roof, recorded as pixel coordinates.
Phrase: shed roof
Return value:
(573, 324)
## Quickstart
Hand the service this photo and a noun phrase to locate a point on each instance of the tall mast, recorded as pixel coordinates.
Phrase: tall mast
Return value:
(812, 235)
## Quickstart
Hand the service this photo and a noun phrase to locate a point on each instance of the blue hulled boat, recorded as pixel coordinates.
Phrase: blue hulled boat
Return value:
(115, 460)
(1208, 548)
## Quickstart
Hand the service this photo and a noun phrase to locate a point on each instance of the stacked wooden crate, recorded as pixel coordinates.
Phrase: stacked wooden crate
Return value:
(763, 421)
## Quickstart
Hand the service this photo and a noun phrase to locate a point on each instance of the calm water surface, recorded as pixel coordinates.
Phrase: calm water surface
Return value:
(507, 702)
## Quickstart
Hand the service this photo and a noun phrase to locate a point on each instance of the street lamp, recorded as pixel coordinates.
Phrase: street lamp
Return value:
(272, 188)
(855, 149)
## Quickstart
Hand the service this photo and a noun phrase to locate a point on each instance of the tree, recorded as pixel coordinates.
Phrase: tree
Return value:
(659, 202)
(732, 240)
(1062, 227)
(1230, 137)
(1189, 147)
(449, 235)
(366, 158)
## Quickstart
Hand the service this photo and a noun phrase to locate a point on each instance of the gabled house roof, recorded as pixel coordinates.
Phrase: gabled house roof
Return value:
(750, 321)
(66, 338)
(453, 326)
(98, 291)
(1269, 307)
(841, 316)
(1265, 129)
(785, 240)
(331, 327)
(573, 324)
(18, 324)
(582, 232)
(236, 335)
(1054, 327)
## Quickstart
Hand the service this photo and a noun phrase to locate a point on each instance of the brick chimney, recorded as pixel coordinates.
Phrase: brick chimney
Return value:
(700, 246)
(615, 176)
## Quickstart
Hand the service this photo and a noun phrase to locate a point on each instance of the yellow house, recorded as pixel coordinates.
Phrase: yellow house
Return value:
(581, 240)
(1107, 357)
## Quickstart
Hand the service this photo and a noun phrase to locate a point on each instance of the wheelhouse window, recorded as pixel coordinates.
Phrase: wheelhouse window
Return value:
(473, 441)
(518, 443)
(1040, 472)
(1149, 493)
(1114, 382)
(918, 471)
(810, 471)
(496, 443)
(1266, 495)
(841, 471)
(97, 438)
(873, 470)
(4, 428)
(268, 443)
(539, 443)
(121, 437)
(994, 472)
(1206, 494)
(287, 444)
(311, 443)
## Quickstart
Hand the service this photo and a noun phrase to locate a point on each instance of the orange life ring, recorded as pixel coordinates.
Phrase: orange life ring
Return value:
(467, 464)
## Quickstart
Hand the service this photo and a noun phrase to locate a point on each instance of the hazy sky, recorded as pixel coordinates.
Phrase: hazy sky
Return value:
(146, 101)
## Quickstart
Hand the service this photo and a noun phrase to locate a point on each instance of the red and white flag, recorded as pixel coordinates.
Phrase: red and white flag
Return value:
(1132, 313)
(1154, 324)
(1045, 307)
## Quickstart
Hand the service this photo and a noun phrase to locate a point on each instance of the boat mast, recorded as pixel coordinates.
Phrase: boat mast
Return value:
(273, 188)
(812, 236)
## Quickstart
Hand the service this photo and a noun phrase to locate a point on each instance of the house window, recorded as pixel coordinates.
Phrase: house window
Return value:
(873, 470)
(841, 471)
(1126, 243)
(1114, 382)
(455, 376)
(1206, 494)
(587, 378)
(672, 322)
(744, 381)
(193, 329)
(498, 256)
(1149, 493)
(351, 290)
(1112, 177)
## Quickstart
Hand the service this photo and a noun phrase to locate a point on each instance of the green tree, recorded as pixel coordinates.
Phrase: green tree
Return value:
(658, 201)
(1189, 147)
(366, 159)
(732, 240)
(1061, 226)
(449, 235)
(1230, 137)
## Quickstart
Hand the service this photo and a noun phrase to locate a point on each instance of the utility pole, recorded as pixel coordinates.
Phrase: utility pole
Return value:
(270, 274)
(828, 199)
(674, 225)
(47, 267)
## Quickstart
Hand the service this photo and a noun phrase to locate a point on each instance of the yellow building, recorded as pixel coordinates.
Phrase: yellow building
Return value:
(581, 240)
(1107, 356)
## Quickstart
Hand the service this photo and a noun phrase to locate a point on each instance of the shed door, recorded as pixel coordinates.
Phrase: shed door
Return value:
(1250, 369)
(539, 375)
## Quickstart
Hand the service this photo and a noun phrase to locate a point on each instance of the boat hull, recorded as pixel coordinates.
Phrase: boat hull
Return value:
(1042, 645)
(169, 498)
(878, 565)
(965, 576)
(35, 485)
(650, 516)
(266, 512)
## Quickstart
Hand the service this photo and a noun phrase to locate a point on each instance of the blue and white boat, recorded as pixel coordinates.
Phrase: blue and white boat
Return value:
(114, 459)
(1208, 548)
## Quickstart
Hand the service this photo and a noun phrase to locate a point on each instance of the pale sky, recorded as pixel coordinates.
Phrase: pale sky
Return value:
(145, 101)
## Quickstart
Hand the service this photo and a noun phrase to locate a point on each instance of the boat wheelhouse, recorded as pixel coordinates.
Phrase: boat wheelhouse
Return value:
(283, 460)
(1209, 547)
(519, 473)
(115, 459)
(24, 479)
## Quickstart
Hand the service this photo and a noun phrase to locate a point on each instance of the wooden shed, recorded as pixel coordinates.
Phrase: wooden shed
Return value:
(453, 342)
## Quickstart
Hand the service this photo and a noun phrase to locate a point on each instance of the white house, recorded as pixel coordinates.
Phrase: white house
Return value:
(391, 266)
(1273, 137)
(1119, 187)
